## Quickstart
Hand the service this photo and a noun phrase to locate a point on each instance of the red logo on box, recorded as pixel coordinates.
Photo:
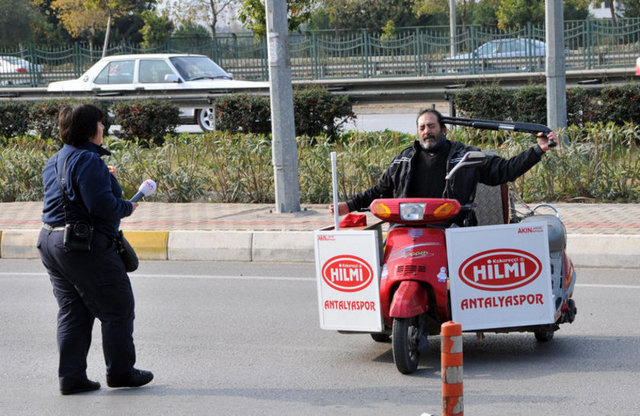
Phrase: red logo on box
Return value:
(500, 269)
(347, 273)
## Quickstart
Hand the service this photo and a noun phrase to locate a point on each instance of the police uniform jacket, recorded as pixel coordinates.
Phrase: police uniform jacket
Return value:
(396, 179)
(94, 194)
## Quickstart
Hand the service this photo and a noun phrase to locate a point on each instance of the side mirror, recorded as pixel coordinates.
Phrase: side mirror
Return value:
(470, 159)
(171, 78)
(474, 158)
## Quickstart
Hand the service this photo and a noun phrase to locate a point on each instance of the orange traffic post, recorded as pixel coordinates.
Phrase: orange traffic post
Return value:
(451, 356)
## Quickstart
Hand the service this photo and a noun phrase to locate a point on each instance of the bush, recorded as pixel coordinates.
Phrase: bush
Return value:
(44, 116)
(582, 106)
(618, 105)
(316, 112)
(530, 104)
(14, 118)
(21, 162)
(148, 121)
(600, 162)
(490, 103)
(243, 113)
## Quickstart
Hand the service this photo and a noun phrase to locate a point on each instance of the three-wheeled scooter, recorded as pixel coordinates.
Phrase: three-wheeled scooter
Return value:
(500, 278)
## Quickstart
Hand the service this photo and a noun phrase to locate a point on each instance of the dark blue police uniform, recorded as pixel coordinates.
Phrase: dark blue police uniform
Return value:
(87, 284)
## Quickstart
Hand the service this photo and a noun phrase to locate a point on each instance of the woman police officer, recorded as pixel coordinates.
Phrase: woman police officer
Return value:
(82, 195)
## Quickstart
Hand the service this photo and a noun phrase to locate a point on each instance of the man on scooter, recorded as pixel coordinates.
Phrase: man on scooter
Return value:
(419, 170)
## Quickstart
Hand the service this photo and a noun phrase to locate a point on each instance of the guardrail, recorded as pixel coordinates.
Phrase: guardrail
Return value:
(360, 91)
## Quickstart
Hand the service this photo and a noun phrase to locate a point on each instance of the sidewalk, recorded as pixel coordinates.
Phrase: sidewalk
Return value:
(605, 235)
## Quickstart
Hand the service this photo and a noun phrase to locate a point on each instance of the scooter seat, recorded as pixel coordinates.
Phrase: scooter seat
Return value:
(555, 229)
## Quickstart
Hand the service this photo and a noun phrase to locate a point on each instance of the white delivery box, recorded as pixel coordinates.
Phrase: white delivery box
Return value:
(500, 276)
(348, 278)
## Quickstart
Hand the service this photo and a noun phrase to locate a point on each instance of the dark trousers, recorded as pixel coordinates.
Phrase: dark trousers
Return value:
(88, 285)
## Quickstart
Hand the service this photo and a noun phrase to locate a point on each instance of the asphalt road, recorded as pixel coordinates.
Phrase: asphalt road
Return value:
(243, 339)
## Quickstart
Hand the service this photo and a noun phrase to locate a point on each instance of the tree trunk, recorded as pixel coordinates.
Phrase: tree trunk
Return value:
(106, 37)
(613, 13)
(214, 13)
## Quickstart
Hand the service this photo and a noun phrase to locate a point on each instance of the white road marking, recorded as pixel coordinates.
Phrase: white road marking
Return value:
(187, 276)
(283, 278)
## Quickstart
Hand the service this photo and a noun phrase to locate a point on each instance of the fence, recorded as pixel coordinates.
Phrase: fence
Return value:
(409, 52)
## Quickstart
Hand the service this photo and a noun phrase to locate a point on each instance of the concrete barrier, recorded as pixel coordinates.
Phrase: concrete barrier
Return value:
(208, 245)
(602, 250)
(288, 246)
(19, 244)
(586, 250)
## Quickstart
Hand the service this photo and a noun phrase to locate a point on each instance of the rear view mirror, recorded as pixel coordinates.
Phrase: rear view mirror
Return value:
(470, 159)
(474, 158)
(171, 78)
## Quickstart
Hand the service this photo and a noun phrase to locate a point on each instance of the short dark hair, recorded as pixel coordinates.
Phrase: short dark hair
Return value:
(78, 123)
(432, 111)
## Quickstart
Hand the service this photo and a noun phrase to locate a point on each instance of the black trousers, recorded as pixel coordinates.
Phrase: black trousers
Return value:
(89, 285)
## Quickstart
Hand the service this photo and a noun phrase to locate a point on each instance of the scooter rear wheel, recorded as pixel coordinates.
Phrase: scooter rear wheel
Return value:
(405, 336)
(544, 334)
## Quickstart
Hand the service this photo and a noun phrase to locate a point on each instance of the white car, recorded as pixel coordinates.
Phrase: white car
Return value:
(16, 71)
(159, 72)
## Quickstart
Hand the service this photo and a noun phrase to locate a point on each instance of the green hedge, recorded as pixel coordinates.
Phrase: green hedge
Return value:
(618, 105)
(316, 112)
(148, 121)
(13, 119)
(601, 163)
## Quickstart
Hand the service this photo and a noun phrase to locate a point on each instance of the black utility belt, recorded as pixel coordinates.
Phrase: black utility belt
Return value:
(77, 235)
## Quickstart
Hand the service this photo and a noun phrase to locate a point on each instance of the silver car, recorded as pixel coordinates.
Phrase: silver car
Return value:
(159, 72)
(503, 55)
(17, 71)
(506, 48)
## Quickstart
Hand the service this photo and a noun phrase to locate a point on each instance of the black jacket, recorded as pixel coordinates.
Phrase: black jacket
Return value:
(395, 181)
(94, 194)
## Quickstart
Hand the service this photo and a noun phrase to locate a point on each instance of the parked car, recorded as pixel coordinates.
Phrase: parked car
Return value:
(159, 72)
(17, 71)
(503, 54)
(506, 48)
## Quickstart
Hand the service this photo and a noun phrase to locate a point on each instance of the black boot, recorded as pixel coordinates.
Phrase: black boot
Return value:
(135, 378)
(78, 387)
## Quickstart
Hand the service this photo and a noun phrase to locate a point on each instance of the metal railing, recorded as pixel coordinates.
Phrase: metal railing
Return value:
(322, 55)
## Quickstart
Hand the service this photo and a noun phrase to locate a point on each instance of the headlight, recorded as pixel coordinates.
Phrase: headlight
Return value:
(412, 211)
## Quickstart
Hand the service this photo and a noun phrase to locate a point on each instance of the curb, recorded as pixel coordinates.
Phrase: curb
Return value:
(259, 246)
(608, 250)
(585, 250)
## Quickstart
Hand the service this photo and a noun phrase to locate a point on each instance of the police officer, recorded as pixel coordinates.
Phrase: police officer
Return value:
(83, 206)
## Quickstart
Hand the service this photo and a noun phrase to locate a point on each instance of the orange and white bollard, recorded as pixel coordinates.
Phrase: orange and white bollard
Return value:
(451, 356)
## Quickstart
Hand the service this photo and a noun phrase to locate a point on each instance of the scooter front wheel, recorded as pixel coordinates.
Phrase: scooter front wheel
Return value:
(405, 336)
(380, 337)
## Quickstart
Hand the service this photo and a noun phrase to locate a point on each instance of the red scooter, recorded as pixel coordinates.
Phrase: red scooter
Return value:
(414, 284)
